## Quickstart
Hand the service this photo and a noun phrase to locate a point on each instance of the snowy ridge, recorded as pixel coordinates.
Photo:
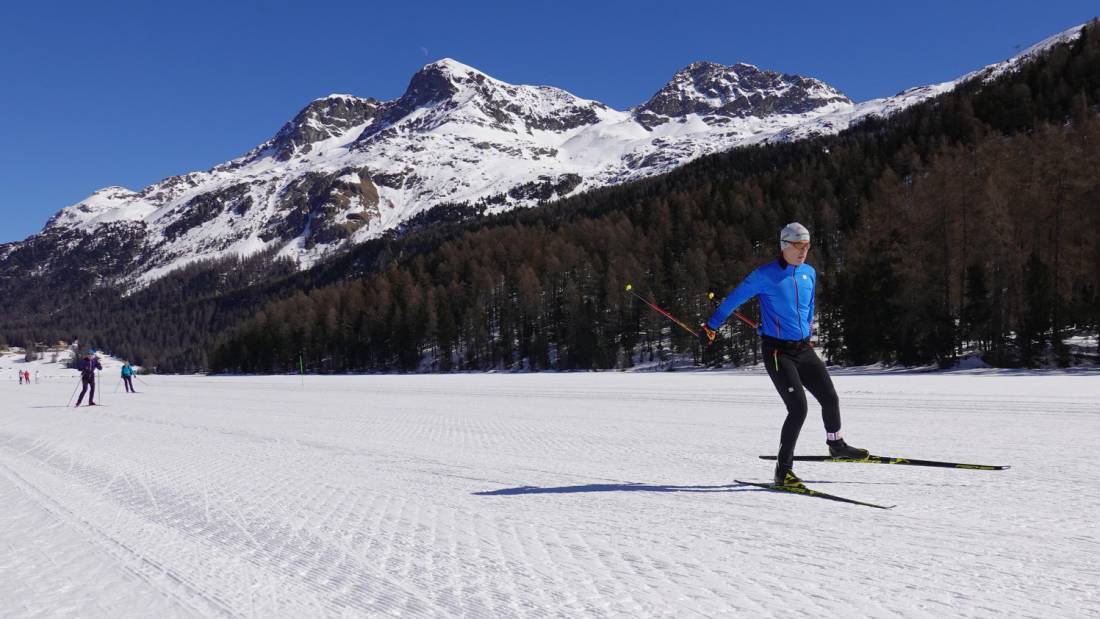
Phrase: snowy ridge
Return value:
(886, 106)
(346, 169)
(998, 69)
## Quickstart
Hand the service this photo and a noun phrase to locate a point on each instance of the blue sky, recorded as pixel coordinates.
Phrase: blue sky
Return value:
(126, 93)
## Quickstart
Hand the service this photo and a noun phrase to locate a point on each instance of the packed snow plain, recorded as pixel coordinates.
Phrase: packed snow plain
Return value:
(542, 495)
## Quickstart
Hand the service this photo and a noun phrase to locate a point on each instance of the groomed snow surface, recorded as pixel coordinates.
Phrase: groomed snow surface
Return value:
(590, 494)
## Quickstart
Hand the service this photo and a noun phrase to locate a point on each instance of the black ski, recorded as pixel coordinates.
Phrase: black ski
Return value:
(803, 490)
(891, 460)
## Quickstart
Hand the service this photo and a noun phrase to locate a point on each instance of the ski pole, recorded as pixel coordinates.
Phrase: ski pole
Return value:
(74, 392)
(117, 384)
(742, 317)
(630, 289)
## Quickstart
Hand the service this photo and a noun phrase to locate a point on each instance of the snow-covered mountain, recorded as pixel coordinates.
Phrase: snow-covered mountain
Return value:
(346, 169)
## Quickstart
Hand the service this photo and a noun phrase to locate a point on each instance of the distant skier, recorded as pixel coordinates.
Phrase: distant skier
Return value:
(785, 288)
(27, 377)
(20, 373)
(128, 378)
(88, 365)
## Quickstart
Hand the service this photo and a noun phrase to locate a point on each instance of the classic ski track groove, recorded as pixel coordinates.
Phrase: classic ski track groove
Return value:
(132, 561)
(245, 532)
(254, 537)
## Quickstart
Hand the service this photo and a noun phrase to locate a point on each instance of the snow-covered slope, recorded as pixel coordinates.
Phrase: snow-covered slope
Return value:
(347, 169)
(841, 119)
(51, 364)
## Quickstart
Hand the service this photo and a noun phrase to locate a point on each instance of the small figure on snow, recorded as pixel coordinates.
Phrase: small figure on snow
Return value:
(786, 288)
(88, 365)
(128, 377)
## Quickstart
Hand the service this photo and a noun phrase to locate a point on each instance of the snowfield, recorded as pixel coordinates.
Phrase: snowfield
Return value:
(589, 494)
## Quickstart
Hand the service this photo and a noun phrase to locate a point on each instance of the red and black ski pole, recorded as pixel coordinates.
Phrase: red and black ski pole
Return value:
(630, 289)
(742, 317)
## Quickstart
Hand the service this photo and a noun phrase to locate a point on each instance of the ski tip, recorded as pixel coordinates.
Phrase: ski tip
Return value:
(768, 457)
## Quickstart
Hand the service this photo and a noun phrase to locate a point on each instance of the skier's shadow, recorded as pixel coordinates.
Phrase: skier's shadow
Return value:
(627, 487)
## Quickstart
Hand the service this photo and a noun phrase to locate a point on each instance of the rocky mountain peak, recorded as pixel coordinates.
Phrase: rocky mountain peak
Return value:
(453, 69)
(433, 82)
(738, 90)
(106, 201)
(451, 92)
(322, 119)
(437, 82)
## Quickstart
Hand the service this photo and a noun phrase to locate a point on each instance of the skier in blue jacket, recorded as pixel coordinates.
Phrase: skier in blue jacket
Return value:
(128, 377)
(785, 288)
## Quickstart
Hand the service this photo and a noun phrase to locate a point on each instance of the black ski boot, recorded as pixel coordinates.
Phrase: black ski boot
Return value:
(840, 449)
(784, 476)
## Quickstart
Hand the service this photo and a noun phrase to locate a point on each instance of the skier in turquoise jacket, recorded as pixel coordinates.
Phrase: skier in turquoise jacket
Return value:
(785, 288)
(128, 377)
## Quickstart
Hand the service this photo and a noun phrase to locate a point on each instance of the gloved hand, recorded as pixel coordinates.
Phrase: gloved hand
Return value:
(706, 335)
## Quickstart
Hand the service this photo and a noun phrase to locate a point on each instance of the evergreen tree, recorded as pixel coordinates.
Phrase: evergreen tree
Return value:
(1036, 319)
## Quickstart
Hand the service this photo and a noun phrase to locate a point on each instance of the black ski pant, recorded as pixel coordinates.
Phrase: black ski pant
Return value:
(129, 382)
(793, 366)
(88, 383)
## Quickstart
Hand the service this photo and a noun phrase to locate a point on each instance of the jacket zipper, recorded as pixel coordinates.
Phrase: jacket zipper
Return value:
(797, 315)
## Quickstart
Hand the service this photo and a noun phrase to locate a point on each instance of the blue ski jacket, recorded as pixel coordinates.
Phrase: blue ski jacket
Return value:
(786, 300)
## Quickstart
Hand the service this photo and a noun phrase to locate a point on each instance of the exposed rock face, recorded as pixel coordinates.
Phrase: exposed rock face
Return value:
(206, 206)
(321, 120)
(324, 207)
(457, 93)
(432, 84)
(713, 90)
